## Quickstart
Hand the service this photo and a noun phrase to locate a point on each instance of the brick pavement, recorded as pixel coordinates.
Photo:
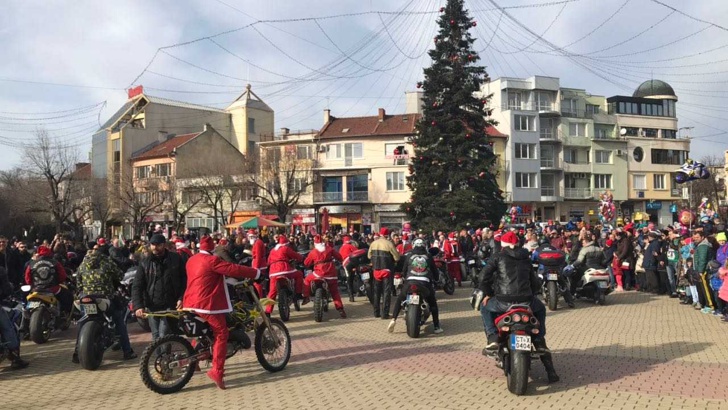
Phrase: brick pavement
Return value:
(638, 352)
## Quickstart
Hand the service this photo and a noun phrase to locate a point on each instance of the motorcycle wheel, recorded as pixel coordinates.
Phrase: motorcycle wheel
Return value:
(39, 327)
(413, 320)
(144, 324)
(368, 290)
(90, 345)
(553, 295)
(273, 357)
(284, 307)
(297, 304)
(449, 286)
(154, 360)
(520, 363)
(318, 305)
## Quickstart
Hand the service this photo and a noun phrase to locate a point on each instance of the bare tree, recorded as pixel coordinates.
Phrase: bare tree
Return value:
(20, 214)
(54, 164)
(139, 200)
(712, 188)
(219, 186)
(280, 176)
(180, 202)
(100, 201)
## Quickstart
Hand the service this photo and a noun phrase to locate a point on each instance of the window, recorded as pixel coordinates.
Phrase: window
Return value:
(525, 180)
(525, 151)
(670, 134)
(649, 132)
(116, 149)
(547, 128)
(353, 150)
(303, 152)
(395, 181)
(142, 172)
(602, 181)
(668, 156)
(396, 152)
(251, 125)
(638, 154)
(639, 182)
(514, 101)
(524, 122)
(298, 185)
(577, 129)
(601, 133)
(357, 187)
(191, 197)
(631, 131)
(569, 106)
(543, 101)
(570, 155)
(333, 151)
(592, 109)
(201, 223)
(658, 181)
(164, 170)
(621, 107)
(332, 184)
(603, 157)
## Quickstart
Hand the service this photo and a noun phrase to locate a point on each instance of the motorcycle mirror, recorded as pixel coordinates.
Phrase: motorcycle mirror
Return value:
(25, 288)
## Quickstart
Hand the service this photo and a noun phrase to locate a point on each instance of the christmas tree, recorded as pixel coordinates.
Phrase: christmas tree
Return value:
(452, 174)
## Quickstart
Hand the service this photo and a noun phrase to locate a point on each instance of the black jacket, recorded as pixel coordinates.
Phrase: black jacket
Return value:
(509, 276)
(159, 282)
(413, 265)
(120, 256)
(5, 288)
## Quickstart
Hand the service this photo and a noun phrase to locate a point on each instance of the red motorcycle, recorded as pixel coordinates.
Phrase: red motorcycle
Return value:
(445, 282)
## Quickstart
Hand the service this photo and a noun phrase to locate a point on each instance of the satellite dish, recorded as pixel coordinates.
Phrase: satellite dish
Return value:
(623, 132)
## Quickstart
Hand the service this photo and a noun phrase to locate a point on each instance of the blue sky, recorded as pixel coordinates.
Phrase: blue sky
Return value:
(351, 64)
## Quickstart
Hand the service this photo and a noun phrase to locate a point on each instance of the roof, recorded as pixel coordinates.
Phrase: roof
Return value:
(653, 88)
(165, 148)
(494, 133)
(173, 103)
(249, 99)
(400, 124)
(124, 108)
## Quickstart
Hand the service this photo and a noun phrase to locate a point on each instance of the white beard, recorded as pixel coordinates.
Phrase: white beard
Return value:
(320, 247)
(252, 241)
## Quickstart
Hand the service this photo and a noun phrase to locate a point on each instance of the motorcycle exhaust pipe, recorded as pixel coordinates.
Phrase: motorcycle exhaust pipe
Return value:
(533, 320)
(507, 320)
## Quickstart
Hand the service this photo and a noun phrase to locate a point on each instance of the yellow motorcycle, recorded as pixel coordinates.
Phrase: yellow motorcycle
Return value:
(168, 364)
(45, 315)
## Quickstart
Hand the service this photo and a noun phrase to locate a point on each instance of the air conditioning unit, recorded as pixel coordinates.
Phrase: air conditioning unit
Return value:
(323, 148)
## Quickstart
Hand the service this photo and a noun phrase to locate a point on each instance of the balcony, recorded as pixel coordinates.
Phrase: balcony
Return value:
(548, 135)
(544, 109)
(550, 164)
(330, 197)
(578, 193)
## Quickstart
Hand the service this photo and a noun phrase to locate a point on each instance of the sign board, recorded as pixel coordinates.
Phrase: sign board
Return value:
(134, 91)
(303, 211)
(387, 208)
(654, 205)
(343, 209)
(366, 218)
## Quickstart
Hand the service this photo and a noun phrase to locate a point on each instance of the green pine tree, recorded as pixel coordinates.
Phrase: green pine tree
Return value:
(452, 174)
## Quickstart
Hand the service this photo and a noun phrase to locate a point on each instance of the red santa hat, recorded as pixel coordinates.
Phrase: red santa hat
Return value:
(101, 241)
(44, 251)
(317, 239)
(207, 244)
(179, 243)
(384, 231)
(405, 237)
(251, 232)
(609, 242)
(451, 235)
(223, 241)
(282, 240)
(509, 239)
(346, 238)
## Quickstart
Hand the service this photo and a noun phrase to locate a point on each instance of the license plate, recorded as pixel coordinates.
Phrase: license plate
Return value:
(471, 262)
(520, 342)
(413, 299)
(602, 284)
(33, 304)
(397, 281)
(553, 276)
(89, 309)
(365, 276)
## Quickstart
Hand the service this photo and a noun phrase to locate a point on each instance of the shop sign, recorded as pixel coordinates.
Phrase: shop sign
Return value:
(387, 208)
(654, 205)
(343, 209)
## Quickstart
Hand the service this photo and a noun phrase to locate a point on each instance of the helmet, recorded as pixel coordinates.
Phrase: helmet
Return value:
(418, 243)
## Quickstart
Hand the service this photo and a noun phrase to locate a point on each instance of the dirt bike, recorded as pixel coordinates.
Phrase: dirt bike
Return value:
(321, 296)
(287, 297)
(98, 330)
(45, 315)
(168, 364)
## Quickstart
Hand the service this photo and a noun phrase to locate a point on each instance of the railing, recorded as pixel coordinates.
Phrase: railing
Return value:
(578, 193)
(352, 196)
(550, 163)
(357, 196)
(549, 191)
(566, 112)
(547, 134)
(530, 107)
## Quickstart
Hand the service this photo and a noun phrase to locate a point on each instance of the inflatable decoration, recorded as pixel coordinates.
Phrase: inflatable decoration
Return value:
(690, 171)
(706, 214)
(607, 210)
(513, 212)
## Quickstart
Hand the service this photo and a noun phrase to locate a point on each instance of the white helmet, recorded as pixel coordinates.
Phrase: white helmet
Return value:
(418, 242)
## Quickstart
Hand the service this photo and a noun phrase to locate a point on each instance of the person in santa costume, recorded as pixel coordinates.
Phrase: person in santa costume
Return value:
(259, 253)
(345, 251)
(404, 246)
(207, 296)
(451, 249)
(322, 259)
(280, 265)
(182, 249)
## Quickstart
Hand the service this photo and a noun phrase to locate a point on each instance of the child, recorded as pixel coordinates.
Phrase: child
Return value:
(694, 280)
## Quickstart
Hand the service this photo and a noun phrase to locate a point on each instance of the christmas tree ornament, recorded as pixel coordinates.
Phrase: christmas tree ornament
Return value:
(419, 84)
(434, 123)
(452, 22)
(467, 136)
(442, 9)
(470, 57)
(482, 174)
(475, 23)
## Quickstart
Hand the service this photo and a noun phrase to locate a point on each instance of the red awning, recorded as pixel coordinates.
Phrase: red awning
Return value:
(270, 217)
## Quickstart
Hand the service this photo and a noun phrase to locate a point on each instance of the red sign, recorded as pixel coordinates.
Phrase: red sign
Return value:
(133, 92)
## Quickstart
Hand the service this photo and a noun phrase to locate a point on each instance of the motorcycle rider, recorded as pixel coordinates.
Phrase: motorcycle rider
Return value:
(46, 274)
(279, 262)
(206, 294)
(590, 257)
(99, 275)
(451, 249)
(507, 279)
(345, 251)
(7, 329)
(546, 247)
(322, 258)
(419, 268)
(159, 284)
(258, 250)
(384, 257)
(404, 246)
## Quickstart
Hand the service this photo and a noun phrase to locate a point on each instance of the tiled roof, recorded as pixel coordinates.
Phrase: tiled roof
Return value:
(493, 132)
(163, 149)
(401, 124)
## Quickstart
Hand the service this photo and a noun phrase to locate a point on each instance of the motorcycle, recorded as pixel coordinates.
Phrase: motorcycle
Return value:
(357, 266)
(98, 331)
(45, 315)
(168, 364)
(321, 296)
(14, 308)
(125, 292)
(287, 297)
(594, 285)
(416, 310)
(690, 171)
(471, 269)
(515, 350)
(397, 283)
(445, 282)
(553, 284)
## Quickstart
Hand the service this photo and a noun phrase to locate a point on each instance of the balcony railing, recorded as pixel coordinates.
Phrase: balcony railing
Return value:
(543, 107)
(578, 193)
(357, 196)
(550, 163)
(549, 191)
(548, 134)
(353, 196)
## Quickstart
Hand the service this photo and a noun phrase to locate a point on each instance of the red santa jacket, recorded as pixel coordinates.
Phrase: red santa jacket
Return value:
(206, 289)
(259, 261)
(403, 248)
(452, 253)
(323, 262)
(279, 260)
(346, 250)
(185, 252)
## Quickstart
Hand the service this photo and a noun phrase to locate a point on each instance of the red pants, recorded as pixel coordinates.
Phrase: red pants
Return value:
(453, 268)
(617, 271)
(219, 348)
(333, 290)
(297, 277)
(381, 274)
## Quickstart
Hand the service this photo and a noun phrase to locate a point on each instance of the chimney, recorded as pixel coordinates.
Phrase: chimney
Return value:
(382, 113)
(285, 131)
(327, 115)
(413, 102)
(162, 136)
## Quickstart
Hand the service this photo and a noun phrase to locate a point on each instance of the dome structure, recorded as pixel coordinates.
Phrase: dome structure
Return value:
(654, 88)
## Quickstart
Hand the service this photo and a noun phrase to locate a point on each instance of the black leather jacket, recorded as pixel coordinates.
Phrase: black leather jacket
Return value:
(159, 282)
(413, 265)
(509, 276)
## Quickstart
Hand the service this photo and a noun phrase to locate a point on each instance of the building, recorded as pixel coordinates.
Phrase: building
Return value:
(567, 146)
